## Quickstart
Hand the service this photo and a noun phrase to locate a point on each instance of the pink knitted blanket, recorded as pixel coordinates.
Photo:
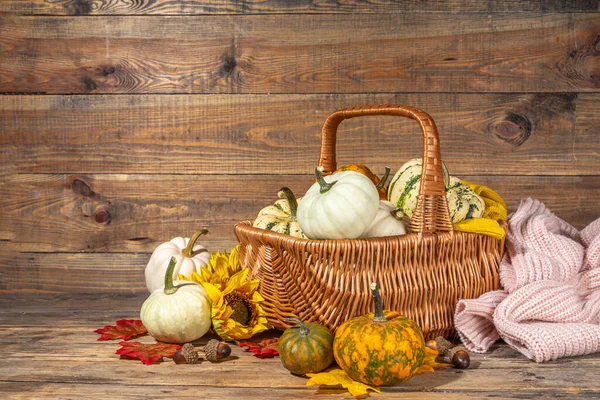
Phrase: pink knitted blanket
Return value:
(550, 305)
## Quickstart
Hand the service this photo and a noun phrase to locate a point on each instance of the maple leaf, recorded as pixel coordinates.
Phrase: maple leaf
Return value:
(336, 377)
(125, 329)
(147, 353)
(266, 348)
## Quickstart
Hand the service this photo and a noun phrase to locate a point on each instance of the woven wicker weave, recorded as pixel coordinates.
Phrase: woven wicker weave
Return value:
(422, 274)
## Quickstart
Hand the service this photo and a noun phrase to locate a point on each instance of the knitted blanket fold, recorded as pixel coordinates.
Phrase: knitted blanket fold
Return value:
(550, 305)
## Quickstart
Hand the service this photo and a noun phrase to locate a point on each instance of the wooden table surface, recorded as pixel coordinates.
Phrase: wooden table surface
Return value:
(49, 350)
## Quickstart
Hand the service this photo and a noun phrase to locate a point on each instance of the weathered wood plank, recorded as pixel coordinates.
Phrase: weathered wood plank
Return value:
(256, 134)
(135, 213)
(271, 374)
(196, 7)
(304, 53)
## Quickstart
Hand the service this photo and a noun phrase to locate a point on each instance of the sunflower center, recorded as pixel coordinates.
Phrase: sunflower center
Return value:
(241, 306)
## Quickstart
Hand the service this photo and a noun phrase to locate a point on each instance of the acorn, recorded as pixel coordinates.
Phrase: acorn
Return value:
(460, 357)
(439, 344)
(186, 355)
(216, 351)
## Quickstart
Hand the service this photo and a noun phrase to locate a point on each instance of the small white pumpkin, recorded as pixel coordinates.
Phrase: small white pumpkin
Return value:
(389, 221)
(281, 216)
(405, 185)
(463, 203)
(190, 256)
(339, 206)
(177, 313)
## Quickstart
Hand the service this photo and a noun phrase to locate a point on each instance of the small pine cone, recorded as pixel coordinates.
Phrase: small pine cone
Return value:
(190, 355)
(210, 350)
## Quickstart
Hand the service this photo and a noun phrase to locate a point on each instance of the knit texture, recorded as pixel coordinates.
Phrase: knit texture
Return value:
(550, 305)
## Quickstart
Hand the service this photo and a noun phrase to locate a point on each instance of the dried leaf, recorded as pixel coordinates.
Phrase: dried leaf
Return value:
(147, 353)
(337, 377)
(125, 329)
(429, 362)
(266, 348)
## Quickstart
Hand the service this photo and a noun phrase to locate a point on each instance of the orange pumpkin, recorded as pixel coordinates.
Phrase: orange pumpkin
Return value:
(363, 169)
(381, 348)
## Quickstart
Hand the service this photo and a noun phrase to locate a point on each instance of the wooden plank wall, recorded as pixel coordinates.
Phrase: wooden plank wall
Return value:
(126, 123)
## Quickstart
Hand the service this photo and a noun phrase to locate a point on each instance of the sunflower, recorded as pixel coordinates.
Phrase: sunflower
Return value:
(236, 311)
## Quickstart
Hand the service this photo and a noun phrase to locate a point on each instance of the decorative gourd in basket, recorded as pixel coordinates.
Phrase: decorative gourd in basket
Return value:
(423, 273)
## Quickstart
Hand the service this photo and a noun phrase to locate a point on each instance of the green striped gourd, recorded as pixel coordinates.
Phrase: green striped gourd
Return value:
(281, 216)
(463, 203)
(404, 187)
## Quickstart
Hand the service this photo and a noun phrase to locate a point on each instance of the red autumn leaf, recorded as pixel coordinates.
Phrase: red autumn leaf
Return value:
(266, 348)
(147, 353)
(125, 329)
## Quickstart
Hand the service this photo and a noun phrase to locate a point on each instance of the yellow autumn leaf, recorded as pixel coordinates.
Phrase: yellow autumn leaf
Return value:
(337, 377)
(430, 363)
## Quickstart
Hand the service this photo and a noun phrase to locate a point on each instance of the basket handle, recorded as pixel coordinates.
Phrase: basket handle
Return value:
(431, 213)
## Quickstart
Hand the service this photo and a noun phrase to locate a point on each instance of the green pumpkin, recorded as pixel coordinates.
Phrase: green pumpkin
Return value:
(404, 186)
(463, 203)
(306, 348)
(281, 216)
(381, 348)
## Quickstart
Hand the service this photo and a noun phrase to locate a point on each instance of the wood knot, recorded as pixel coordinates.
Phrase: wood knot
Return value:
(79, 7)
(89, 84)
(82, 188)
(229, 64)
(102, 216)
(515, 129)
(106, 71)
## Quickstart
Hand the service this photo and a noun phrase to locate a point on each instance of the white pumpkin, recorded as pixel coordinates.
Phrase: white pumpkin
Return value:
(463, 203)
(405, 185)
(389, 221)
(190, 256)
(281, 216)
(180, 312)
(339, 206)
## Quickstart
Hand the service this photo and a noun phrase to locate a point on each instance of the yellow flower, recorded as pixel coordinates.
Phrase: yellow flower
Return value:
(236, 310)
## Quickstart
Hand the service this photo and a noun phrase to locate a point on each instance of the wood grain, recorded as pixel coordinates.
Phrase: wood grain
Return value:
(423, 52)
(280, 134)
(135, 213)
(197, 7)
(58, 356)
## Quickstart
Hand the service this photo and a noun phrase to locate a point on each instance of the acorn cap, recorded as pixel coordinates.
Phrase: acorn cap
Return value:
(190, 355)
(443, 345)
(210, 350)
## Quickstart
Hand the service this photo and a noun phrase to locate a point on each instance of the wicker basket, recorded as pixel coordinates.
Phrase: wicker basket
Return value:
(422, 274)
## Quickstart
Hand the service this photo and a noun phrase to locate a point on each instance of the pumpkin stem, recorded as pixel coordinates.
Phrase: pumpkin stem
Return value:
(399, 214)
(169, 287)
(378, 317)
(189, 249)
(324, 185)
(303, 329)
(286, 193)
(383, 179)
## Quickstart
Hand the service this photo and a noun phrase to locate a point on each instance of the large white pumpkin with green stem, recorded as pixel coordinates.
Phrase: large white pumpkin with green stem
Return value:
(179, 312)
(339, 206)
(190, 256)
